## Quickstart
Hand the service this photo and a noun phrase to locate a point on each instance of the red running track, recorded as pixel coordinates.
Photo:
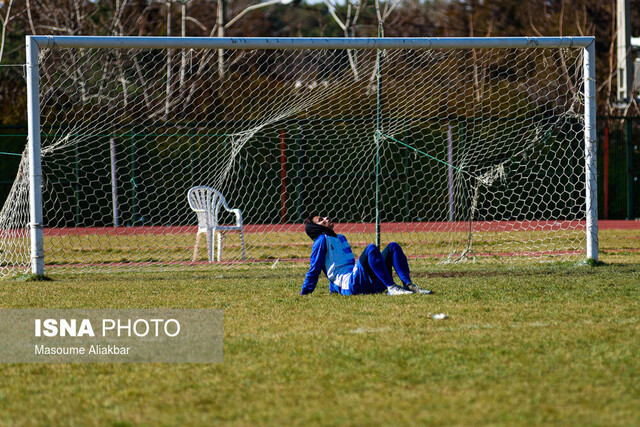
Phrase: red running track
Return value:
(386, 227)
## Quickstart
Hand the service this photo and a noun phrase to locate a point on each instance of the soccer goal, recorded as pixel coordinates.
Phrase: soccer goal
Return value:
(457, 148)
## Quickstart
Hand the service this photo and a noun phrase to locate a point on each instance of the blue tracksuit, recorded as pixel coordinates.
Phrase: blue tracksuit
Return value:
(371, 274)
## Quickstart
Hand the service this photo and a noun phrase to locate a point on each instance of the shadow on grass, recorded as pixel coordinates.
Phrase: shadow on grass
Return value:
(31, 278)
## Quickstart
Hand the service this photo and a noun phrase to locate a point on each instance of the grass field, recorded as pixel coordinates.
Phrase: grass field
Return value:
(523, 344)
(176, 246)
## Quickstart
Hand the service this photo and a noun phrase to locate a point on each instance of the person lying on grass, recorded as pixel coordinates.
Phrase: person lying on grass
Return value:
(332, 254)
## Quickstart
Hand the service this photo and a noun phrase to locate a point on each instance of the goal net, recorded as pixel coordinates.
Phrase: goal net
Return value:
(456, 154)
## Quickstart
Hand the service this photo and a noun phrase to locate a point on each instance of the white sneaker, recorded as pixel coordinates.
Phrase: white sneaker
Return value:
(397, 290)
(416, 289)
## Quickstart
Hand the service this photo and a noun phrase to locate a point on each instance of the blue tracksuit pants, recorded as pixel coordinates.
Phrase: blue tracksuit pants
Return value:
(377, 267)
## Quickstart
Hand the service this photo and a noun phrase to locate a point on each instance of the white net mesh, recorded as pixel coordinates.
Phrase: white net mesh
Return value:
(476, 154)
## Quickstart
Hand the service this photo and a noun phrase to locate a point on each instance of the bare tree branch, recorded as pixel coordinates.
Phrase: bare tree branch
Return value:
(198, 23)
(332, 11)
(345, 26)
(5, 23)
(533, 27)
(30, 18)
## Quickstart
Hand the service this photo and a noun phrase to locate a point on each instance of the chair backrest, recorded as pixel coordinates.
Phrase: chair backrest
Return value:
(205, 202)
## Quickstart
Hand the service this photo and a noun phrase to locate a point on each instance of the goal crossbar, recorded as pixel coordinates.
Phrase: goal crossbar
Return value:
(311, 42)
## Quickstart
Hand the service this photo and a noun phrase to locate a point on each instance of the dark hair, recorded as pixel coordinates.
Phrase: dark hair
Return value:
(309, 218)
(314, 230)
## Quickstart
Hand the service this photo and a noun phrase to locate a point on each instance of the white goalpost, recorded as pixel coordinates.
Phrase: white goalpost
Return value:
(458, 148)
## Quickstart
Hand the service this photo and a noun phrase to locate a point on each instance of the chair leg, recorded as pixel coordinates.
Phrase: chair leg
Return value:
(220, 244)
(195, 249)
(210, 245)
(244, 257)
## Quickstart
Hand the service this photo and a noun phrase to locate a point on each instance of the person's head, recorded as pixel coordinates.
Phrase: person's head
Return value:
(324, 221)
(317, 225)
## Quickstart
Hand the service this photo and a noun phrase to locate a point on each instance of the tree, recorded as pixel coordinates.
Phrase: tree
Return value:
(5, 17)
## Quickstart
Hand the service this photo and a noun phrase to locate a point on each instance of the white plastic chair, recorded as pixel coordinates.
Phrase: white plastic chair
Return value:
(206, 203)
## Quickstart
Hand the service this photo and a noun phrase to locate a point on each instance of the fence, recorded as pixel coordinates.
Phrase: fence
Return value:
(618, 166)
(13, 140)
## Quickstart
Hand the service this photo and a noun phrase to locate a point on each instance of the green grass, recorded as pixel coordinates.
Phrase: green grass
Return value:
(552, 343)
(106, 249)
